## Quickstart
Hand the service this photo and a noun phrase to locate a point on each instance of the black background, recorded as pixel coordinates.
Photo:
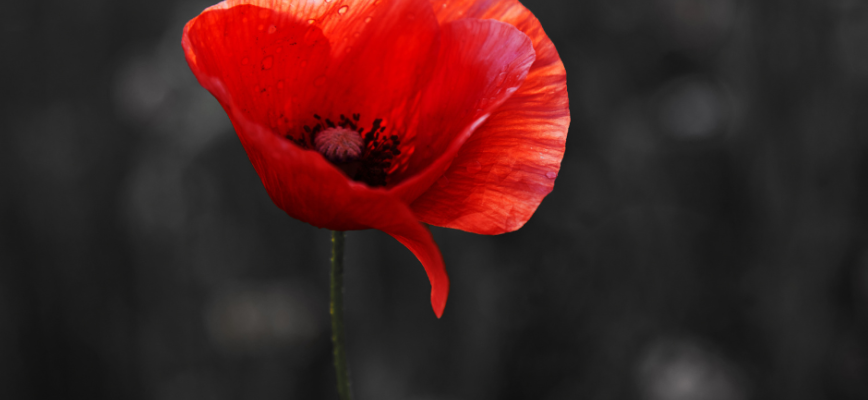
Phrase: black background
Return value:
(706, 238)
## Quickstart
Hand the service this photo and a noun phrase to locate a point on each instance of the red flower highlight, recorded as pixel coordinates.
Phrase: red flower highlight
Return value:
(361, 114)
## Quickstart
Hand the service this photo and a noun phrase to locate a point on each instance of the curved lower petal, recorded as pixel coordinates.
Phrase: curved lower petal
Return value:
(307, 187)
(509, 164)
(417, 238)
(481, 64)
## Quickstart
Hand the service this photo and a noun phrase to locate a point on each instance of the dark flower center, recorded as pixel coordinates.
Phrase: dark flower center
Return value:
(364, 157)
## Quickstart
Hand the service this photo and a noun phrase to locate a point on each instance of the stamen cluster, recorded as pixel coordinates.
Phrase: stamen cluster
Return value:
(378, 151)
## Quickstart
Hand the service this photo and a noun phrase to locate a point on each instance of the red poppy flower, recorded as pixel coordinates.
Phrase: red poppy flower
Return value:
(380, 114)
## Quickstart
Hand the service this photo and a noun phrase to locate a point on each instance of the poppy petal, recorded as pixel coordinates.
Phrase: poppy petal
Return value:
(481, 64)
(507, 167)
(300, 182)
(284, 63)
(383, 55)
(360, 207)
(330, 200)
(255, 54)
(417, 238)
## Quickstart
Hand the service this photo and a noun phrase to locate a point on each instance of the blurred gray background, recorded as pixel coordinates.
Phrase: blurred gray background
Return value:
(707, 237)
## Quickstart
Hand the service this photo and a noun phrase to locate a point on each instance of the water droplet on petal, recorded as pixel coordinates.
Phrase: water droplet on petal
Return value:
(474, 167)
(311, 21)
(268, 62)
(551, 174)
(245, 61)
(343, 10)
(272, 29)
(328, 1)
(319, 81)
(367, 20)
(280, 84)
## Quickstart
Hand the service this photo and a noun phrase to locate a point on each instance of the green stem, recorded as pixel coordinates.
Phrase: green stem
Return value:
(336, 309)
